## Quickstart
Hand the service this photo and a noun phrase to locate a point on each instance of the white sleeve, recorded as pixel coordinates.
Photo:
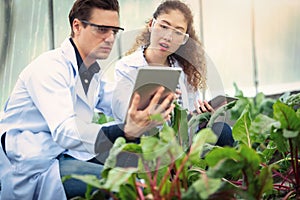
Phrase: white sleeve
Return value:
(125, 77)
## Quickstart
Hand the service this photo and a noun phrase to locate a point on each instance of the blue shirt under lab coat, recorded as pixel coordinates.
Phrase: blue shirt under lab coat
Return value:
(126, 72)
(48, 113)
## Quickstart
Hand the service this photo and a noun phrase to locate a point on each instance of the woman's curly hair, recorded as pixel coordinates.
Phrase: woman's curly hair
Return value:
(190, 55)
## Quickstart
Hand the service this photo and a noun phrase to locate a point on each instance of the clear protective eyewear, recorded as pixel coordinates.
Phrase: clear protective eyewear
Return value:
(101, 30)
(178, 36)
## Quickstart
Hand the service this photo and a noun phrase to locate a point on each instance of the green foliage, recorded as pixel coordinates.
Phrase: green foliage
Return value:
(101, 118)
(178, 163)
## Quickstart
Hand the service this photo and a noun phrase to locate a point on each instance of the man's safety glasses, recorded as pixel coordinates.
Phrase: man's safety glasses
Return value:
(103, 29)
(178, 36)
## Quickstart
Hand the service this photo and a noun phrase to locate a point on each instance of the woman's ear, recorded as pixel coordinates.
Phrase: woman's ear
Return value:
(150, 25)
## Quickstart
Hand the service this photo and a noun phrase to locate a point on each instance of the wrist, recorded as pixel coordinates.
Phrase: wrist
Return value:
(128, 134)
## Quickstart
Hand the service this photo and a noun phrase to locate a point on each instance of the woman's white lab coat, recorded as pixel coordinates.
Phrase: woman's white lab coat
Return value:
(48, 113)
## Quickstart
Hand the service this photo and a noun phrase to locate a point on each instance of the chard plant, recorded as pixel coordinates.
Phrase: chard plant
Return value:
(178, 164)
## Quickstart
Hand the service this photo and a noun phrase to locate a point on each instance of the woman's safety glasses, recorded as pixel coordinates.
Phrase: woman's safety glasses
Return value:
(178, 36)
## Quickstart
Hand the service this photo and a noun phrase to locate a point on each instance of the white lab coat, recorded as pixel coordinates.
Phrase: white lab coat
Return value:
(125, 74)
(48, 113)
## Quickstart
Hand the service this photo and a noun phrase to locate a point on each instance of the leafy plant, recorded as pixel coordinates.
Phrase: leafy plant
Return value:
(179, 163)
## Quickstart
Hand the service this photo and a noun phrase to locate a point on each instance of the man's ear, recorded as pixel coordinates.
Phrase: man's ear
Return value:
(76, 26)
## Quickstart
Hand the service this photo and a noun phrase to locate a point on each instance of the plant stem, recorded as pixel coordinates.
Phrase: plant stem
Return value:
(168, 173)
(245, 179)
(295, 165)
(297, 171)
(156, 170)
(185, 159)
(279, 186)
(288, 195)
(152, 185)
(138, 190)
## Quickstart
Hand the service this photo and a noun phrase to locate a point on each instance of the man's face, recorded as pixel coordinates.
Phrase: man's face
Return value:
(95, 40)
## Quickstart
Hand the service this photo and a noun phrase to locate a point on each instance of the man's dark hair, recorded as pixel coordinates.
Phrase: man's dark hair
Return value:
(82, 9)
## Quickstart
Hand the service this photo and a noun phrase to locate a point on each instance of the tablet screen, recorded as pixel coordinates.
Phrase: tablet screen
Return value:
(149, 79)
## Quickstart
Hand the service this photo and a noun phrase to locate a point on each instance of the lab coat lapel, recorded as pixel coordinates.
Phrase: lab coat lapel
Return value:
(93, 89)
(80, 91)
(69, 53)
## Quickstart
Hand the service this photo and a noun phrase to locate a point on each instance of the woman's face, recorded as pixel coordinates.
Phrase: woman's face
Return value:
(168, 32)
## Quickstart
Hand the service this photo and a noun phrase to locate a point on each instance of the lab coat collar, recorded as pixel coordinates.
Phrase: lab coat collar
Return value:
(69, 53)
(136, 59)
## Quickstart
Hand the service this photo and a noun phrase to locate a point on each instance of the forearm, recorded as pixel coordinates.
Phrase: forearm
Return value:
(107, 136)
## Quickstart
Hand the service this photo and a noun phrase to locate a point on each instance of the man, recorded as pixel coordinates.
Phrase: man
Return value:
(46, 130)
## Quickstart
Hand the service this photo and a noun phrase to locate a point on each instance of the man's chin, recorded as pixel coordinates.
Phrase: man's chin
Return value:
(102, 56)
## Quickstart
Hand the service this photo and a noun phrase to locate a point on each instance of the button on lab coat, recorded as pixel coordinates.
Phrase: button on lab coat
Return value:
(48, 113)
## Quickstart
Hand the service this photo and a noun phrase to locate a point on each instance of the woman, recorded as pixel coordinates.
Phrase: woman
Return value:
(169, 39)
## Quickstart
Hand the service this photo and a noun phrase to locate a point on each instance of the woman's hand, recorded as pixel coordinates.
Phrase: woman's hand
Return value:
(203, 106)
(139, 121)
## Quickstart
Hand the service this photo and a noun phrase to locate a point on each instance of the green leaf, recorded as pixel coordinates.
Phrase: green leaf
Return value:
(218, 154)
(224, 167)
(204, 136)
(202, 188)
(262, 124)
(153, 147)
(167, 134)
(287, 116)
(197, 119)
(157, 117)
(268, 153)
(219, 112)
(132, 147)
(241, 129)
(280, 141)
(127, 192)
(111, 161)
(101, 118)
(117, 177)
(290, 134)
(251, 157)
(180, 126)
(237, 110)
(265, 182)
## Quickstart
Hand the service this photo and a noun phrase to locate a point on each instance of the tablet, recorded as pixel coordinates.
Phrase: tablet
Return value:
(220, 100)
(150, 78)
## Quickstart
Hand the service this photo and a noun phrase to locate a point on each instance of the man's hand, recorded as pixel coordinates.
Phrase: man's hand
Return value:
(139, 121)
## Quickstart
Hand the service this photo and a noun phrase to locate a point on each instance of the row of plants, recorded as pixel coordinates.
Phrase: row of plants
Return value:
(263, 163)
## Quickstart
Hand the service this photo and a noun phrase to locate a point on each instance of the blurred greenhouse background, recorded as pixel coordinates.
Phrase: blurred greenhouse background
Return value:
(254, 43)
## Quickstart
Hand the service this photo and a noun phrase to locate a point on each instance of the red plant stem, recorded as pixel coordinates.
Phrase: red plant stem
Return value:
(185, 185)
(167, 174)
(185, 159)
(288, 195)
(279, 174)
(139, 191)
(156, 170)
(236, 183)
(281, 187)
(294, 162)
(152, 184)
(297, 171)
(245, 178)
(141, 184)
(292, 154)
